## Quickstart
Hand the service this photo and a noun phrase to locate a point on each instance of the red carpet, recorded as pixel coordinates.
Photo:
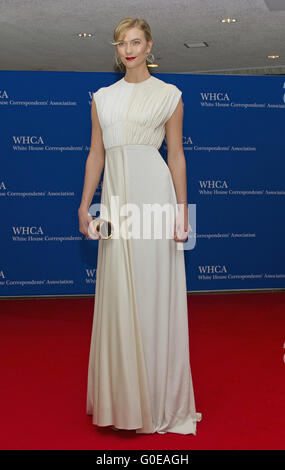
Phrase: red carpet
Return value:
(237, 360)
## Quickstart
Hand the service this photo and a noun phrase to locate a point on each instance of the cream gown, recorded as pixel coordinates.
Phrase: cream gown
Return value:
(139, 374)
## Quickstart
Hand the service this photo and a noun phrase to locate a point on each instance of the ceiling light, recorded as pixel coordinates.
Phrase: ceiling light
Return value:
(273, 56)
(228, 20)
(84, 35)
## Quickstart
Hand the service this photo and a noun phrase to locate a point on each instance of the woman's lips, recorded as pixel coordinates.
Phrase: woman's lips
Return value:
(130, 58)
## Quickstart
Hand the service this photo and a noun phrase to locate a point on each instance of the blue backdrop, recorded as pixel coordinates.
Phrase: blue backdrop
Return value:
(234, 149)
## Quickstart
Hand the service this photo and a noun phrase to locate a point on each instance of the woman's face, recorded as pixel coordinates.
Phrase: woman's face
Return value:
(133, 44)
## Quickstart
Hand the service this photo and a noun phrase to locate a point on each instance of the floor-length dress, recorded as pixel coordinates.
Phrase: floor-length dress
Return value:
(139, 374)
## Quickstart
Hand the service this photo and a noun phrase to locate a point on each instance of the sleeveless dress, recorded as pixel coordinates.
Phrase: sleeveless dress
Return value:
(139, 374)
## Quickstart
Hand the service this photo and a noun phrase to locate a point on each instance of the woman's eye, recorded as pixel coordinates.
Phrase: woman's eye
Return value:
(134, 42)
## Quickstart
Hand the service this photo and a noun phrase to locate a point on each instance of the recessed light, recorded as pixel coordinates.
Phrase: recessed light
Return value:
(84, 35)
(228, 20)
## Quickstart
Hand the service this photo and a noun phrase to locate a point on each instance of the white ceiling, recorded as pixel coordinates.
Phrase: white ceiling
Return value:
(42, 34)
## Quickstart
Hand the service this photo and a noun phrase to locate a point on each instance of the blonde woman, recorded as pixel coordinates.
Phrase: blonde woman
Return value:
(139, 375)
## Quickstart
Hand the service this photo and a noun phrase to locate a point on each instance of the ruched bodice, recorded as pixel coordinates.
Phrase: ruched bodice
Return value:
(135, 113)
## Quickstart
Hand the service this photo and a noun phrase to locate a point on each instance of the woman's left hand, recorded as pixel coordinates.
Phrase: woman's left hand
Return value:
(182, 227)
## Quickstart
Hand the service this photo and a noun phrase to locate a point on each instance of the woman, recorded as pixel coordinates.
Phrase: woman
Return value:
(139, 373)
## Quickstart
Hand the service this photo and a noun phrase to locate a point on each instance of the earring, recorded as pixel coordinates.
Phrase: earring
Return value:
(150, 58)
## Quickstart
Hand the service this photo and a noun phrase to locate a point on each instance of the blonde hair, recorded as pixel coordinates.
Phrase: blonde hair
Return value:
(120, 31)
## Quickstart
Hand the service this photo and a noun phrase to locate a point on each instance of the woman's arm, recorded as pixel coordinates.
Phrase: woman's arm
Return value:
(175, 153)
(176, 162)
(93, 169)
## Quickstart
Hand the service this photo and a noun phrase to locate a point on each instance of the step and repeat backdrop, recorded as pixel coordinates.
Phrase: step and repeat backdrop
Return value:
(235, 153)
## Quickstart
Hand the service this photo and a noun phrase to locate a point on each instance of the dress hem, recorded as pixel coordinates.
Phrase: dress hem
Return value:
(195, 420)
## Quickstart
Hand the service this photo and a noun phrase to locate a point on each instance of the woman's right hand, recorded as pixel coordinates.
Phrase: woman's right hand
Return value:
(84, 220)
